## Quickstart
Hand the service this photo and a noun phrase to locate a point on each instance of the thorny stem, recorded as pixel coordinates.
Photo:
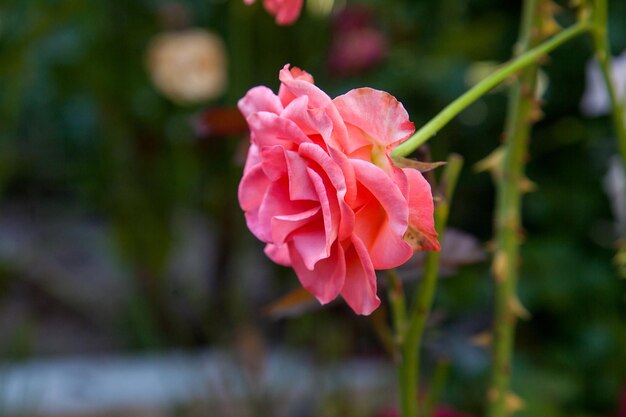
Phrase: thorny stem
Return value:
(522, 104)
(530, 57)
(409, 361)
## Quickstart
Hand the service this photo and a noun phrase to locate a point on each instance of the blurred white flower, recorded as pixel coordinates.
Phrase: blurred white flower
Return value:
(615, 187)
(595, 100)
(188, 66)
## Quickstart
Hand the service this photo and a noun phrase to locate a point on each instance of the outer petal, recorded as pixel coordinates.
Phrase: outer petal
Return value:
(259, 99)
(359, 289)
(383, 220)
(326, 280)
(252, 189)
(377, 113)
(253, 158)
(421, 234)
(285, 225)
(297, 83)
(276, 202)
(286, 75)
(310, 121)
(269, 129)
(347, 170)
(343, 214)
(278, 254)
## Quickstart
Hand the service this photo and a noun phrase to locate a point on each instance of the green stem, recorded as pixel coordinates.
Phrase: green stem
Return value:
(522, 103)
(436, 387)
(409, 365)
(398, 305)
(528, 58)
(603, 54)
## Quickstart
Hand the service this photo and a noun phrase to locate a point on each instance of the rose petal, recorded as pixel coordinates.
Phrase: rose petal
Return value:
(326, 280)
(253, 158)
(377, 113)
(294, 85)
(268, 129)
(421, 209)
(329, 206)
(278, 254)
(359, 288)
(344, 216)
(252, 189)
(300, 185)
(284, 225)
(273, 162)
(276, 202)
(310, 121)
(383, 220)
(259, 99)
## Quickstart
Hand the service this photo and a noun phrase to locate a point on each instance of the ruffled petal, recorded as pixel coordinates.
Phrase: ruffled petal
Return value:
(326, 280)
(382, 221)
(284, 225)
(297, 83)
(342, 214)
(278, 254)
(329, 207)
(310, 121)
(273, 162)
(252, 189)
(311, 244)
(421, 233)
(269, 129)
(377, 113)
(359, 288)
(300, 185)
(276, 202)
(253, 158)
(349, 177)
(259, 99)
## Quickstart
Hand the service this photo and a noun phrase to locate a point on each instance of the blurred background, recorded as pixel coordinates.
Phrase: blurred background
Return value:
(130, 286)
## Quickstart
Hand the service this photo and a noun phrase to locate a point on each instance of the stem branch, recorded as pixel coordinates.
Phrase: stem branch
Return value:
(522, 61)
(522, 104)
(409, 366)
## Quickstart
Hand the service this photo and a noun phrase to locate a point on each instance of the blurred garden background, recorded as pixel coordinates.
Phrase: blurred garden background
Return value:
(122, 246)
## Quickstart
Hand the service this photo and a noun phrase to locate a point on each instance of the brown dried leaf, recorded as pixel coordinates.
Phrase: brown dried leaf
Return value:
(418, 165)
(293, 303)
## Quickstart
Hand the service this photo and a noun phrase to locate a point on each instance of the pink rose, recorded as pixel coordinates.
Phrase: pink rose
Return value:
(320, 189)
(285, 11)
(357, 44)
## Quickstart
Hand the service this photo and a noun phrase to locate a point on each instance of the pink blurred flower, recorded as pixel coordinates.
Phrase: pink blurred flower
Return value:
(285, 11)
(320, 189)
(357, 44)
